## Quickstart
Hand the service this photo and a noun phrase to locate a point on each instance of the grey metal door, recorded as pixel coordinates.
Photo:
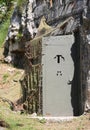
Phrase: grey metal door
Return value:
(58, 72)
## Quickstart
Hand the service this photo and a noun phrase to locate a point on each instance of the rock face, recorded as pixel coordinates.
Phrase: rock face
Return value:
(26, 19)
(24, 27)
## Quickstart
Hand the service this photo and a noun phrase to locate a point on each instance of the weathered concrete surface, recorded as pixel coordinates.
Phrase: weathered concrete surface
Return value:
(53, 119)
(2, 128)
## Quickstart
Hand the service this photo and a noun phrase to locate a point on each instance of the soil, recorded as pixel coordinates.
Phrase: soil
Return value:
(10, 87)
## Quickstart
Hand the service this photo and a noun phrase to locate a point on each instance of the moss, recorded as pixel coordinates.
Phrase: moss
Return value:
(3, 31)
(21, 4)
(5, 76)
(5, 21)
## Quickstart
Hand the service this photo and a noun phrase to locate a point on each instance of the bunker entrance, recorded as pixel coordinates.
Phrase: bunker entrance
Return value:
(61, 76)
(52, 81)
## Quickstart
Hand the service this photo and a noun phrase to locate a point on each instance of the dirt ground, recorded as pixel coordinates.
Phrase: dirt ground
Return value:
(10, 88)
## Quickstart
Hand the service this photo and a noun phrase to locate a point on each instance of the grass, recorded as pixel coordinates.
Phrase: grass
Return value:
(5, 23)
(3, 31)
(5, 76)
(17, 121)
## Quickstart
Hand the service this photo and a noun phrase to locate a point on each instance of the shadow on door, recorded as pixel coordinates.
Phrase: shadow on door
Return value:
(76, 100)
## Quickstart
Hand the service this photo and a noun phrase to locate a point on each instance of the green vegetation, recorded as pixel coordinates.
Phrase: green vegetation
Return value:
(7, 2)
(43, 121)
(5, 76)
(21, 2)
(3, 31)
(17, 121)
(19, 35)
(5, 18)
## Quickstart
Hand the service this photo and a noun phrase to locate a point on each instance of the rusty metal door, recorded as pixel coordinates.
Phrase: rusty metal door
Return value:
(57, 73)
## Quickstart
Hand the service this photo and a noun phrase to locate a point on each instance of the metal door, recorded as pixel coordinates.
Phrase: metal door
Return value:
(57, 72)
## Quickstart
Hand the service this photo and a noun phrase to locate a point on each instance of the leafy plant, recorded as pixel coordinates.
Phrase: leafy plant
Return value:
(6, 2)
